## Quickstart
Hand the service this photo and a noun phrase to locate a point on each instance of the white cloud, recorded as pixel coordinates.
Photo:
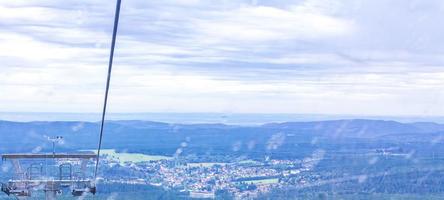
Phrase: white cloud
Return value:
(260, 23)
(312, 56)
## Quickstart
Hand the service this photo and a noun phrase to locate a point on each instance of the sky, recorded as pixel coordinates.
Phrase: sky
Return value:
(360, 57)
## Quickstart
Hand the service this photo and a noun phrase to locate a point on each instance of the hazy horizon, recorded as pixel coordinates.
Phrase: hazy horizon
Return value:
(187, 118)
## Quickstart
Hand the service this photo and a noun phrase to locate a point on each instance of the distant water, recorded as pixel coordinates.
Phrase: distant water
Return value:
(188, 118)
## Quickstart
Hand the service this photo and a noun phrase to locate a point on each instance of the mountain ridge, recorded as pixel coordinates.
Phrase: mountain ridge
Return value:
(166, 137)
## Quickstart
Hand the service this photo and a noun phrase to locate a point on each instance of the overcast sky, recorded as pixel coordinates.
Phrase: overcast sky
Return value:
(373, 57)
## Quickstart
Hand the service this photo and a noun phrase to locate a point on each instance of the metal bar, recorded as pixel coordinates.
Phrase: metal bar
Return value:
(37, 156)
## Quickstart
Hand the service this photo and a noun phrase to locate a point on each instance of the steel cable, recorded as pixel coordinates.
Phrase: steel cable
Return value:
(110, 65)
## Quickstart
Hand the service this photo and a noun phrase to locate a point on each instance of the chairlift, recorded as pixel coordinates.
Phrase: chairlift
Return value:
(58, 173)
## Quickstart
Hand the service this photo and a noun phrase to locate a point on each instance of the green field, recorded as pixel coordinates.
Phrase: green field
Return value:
(249, 161)
(204, 164)
(263, 181)
(131, 157)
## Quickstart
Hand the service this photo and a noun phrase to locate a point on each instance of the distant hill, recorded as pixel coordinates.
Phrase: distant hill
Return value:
(358, 127)
(164, 138)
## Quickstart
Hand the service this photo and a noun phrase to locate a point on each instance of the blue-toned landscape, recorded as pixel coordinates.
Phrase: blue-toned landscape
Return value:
(348, 159)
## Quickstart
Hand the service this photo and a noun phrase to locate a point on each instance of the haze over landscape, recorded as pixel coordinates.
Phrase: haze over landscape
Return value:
(239, 99)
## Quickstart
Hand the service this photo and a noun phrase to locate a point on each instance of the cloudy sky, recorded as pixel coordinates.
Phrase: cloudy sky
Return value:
(365, 57)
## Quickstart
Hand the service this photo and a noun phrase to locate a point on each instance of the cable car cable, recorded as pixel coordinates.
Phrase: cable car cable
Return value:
(110, 65)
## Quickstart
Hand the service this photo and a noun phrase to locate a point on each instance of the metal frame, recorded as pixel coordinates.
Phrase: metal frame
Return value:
(33, 178)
